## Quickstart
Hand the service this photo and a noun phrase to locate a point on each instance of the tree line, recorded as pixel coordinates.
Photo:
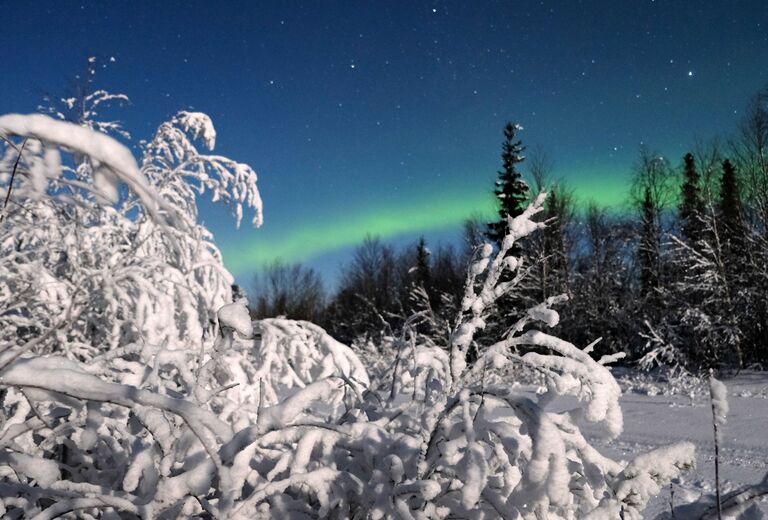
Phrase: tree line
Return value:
(678, 277)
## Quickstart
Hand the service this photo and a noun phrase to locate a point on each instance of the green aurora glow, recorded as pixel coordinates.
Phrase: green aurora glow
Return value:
(349, 229)
(428, 213)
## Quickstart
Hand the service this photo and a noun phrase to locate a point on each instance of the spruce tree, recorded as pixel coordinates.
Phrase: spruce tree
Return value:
(423, 268)
(548, 250)
(422, 272)
(558, 208)
(691, 203)
(740, 285)
(730, 204)
(511, 190)
(648, 253)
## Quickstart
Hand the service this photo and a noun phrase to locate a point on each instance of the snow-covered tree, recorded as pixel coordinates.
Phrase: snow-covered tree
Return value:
(125, 266)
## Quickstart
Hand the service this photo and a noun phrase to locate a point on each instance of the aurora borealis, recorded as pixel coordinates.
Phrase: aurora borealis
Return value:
(385, 117)
(338, 231)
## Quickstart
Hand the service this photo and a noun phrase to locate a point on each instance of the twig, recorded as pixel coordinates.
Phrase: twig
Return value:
(717, 454)
(671, 501)
(13, 176)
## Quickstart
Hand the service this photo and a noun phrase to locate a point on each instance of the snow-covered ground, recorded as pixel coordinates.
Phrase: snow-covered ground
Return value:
(651, 421)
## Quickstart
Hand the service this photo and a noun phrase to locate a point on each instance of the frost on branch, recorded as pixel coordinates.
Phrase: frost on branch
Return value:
(293, 354)
(111, 161)
(174, 164)
(117, 272)
(643, 478)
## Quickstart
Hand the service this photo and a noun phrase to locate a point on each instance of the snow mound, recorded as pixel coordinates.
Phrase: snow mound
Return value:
(235, 316)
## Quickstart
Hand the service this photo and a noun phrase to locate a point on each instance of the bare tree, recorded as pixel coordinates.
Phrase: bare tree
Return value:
(289, 290)
(652, 173)
(750, 152)
(473, 234)
(540, 167)
(367, 302)
(709, 158)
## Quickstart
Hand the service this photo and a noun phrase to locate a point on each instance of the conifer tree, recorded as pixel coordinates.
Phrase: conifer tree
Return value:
(648, 254)
(691, 203)
(738, 274)
(558, 208)
(423, 268)
(730, 204)
(651, 193)
(511, 190)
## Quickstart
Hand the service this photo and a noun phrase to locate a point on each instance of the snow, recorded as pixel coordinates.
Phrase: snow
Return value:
(200, 126)
(44, 471)
(719, 395)
(115, 161)
(655, 421)
(293, 354)
(236, 317)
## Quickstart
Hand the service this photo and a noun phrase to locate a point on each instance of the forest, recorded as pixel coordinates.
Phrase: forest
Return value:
(676, 278)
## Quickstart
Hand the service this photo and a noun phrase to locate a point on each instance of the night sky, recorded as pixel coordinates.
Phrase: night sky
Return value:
(386, 117)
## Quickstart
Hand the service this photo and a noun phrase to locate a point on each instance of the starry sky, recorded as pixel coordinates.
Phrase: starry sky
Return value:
(385, 117)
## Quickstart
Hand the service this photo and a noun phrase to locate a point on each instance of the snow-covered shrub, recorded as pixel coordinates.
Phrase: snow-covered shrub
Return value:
(437, 443)
(737, 504)
(154, 430)
(121, 266)
(289, 355)
(434, 444)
